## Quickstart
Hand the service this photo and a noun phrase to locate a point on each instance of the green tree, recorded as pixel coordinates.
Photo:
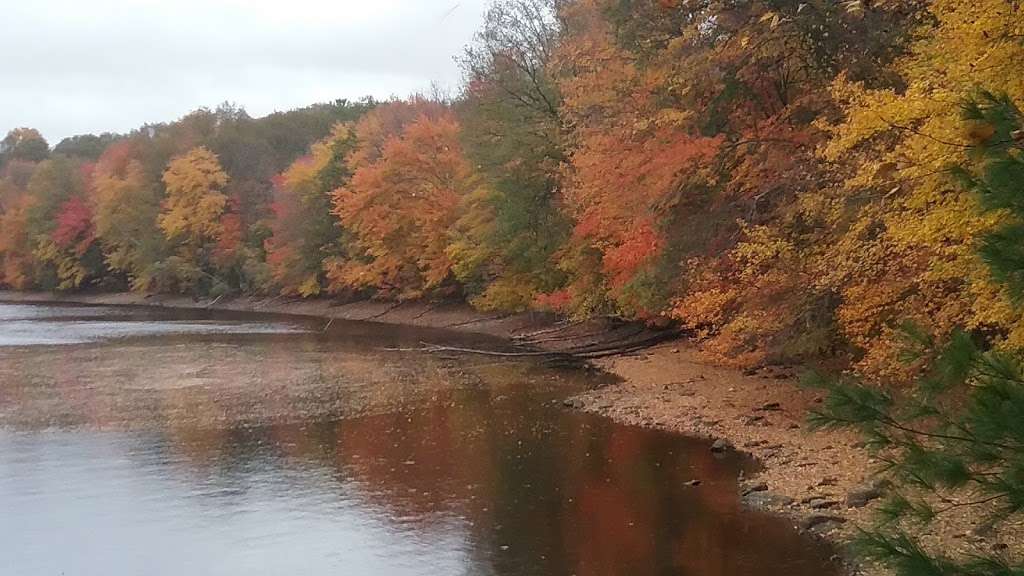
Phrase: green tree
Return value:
(511, 129)
(23, 144)
(956, 439)
(85, 146)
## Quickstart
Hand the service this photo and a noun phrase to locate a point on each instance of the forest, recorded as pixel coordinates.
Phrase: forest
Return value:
(789, 181)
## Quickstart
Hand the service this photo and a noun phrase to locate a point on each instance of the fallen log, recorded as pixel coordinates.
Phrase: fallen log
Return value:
(594, 351)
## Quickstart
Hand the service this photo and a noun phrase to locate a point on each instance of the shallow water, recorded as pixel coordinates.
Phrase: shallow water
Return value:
(137, 441)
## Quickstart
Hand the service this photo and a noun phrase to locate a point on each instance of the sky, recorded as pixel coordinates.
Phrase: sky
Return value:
(90, 66)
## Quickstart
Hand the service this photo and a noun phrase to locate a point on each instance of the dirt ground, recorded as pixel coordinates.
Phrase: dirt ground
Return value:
(819, 479)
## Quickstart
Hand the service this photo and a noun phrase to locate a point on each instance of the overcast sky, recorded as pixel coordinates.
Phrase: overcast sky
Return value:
(80, 66)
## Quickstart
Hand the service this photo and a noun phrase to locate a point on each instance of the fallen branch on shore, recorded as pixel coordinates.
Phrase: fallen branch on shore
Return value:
(589, 352)
(434, 348)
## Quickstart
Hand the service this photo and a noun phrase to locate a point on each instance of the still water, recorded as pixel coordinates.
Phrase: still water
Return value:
(152, 442)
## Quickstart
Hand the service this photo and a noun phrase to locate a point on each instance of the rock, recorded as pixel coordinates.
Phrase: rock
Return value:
(749, 371)
(821, 520)
(755, 487)
(675, 350)
(983, 530)
(693, 483)
(828, 481)
(720, 446)
(772, 407)
(575, 403)
(861, 496)
(766, 500)
(822, 504)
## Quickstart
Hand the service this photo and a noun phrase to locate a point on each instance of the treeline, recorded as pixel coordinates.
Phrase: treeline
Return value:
(783, 177)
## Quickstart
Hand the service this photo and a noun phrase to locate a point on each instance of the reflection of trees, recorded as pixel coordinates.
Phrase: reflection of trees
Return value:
(565, 493)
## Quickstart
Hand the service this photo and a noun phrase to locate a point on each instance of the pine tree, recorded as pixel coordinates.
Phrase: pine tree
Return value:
(956, 439)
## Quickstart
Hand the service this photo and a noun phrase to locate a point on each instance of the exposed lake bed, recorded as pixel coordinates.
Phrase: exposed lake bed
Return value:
(270, 445)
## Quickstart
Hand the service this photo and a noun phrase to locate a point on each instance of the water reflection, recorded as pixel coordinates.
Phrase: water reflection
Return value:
(322, 454)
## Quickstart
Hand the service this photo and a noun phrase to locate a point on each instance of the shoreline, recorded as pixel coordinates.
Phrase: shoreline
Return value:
(455, 316)
(819, 480)
(664, 387)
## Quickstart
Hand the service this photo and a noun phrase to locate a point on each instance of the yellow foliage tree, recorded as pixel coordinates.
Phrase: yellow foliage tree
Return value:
(904, 229)
(15, 248)
(195, 199)
(125, 208)
(191, 219)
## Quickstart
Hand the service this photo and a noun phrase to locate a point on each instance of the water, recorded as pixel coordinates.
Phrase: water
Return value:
(137, 441)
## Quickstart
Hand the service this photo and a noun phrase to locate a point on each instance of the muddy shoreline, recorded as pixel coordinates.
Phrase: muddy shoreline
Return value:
(454, 316)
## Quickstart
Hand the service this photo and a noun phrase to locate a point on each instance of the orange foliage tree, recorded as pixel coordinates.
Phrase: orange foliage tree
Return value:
(409, 176)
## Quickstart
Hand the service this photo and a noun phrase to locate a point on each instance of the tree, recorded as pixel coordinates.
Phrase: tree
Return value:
(409, 175)
(902, 246)
(510, 229)
(191, 212)
(305, 233)
(125, 203)
(956, 440)
(191, 215)
(23, 144)
(71, 247)
(85, 146)
(16, 261)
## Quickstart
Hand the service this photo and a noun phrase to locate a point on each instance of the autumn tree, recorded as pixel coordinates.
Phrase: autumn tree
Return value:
(904, 231)
(409, 175)
(16, 261)
(125, 202)
(510, 229)
(693, 160)
(190, 215)
(305, 233)
(955, 441)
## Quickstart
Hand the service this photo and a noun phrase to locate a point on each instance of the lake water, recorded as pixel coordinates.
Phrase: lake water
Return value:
(153, 442)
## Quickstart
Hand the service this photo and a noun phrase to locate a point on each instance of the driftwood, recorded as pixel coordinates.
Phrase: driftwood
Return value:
(589, 352)
(437, 349)
(215, 300)
(564, 325)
